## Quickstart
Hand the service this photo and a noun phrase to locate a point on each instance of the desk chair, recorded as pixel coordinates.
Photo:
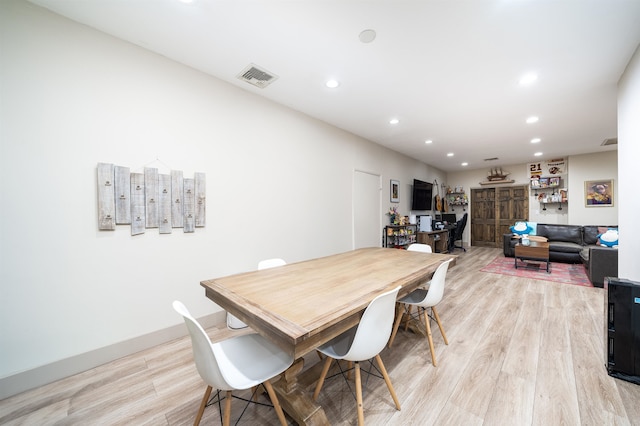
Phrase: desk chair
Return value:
(460, 225)
(425, 299)
(241, 362)
(361, 343)
(234, 322)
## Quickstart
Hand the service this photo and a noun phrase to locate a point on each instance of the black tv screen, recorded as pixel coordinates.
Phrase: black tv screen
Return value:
(422, 195)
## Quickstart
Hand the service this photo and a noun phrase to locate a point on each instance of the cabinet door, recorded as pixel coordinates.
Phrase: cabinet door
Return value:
(483, 217)
(512, 206)
(494, 211)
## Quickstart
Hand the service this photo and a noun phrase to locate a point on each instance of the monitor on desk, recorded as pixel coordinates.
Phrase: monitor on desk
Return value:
(450, 218)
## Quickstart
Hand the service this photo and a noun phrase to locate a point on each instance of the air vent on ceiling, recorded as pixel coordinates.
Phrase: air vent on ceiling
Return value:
(610, 141)
(253, 74)
(491, 159)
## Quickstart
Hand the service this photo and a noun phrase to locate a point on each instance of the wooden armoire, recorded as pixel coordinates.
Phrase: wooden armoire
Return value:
(494, 210)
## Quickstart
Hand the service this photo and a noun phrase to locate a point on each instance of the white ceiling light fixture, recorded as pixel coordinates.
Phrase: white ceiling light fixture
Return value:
(394, 121)
(450, 154)
(538, 154)
(367, 36)
(428, 141)
(528, 79)
(532, 119)
(465, 164)
(535, 140)
(332, 84)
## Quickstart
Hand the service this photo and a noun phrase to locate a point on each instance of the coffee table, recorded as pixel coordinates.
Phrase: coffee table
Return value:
(536, 251)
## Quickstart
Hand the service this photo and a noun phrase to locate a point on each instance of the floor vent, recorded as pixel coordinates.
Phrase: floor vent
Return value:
(258, 77)
(610, 141)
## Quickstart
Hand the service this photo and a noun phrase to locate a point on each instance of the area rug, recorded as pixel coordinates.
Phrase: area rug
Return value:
(567, 273)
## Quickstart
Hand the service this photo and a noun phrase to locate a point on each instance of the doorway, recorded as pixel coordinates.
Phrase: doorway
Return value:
(367, 204)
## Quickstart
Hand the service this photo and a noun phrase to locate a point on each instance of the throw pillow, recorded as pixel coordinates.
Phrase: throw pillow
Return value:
(608, 238)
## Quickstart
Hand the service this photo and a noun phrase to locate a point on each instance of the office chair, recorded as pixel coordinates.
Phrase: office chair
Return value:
(460, 225)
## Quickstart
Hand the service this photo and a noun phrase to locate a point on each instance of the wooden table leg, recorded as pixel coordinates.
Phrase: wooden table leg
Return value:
(295, 398)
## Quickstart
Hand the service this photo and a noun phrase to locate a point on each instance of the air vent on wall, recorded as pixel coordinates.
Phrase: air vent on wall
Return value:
(610, 141)
(261, 78)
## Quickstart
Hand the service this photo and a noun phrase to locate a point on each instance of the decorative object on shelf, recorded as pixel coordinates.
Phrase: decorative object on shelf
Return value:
(599, 193)
(497, 174)
(556, 166)
(394, 191)
(457, 198)
(394, 216)
(149, 200)
(400, 236)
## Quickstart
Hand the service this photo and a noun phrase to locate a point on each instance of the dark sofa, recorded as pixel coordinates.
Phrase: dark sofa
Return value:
(575, 244)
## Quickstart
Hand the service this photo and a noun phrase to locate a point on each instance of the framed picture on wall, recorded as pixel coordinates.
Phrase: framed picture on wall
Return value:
(395, 191)
(598, 193)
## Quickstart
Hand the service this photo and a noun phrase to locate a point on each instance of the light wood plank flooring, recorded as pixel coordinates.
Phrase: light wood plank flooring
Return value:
(521, 352)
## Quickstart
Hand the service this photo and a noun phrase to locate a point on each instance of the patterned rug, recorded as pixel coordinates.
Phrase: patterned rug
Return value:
(567, 273)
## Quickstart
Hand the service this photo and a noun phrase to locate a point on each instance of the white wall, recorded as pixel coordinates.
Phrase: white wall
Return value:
(278, 184)
(586, 167)
(628, 154)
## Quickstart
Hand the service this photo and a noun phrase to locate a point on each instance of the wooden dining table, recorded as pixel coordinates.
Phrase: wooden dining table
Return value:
(300, 306)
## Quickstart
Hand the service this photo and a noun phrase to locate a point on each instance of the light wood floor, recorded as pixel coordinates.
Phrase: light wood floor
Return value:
(521, 352)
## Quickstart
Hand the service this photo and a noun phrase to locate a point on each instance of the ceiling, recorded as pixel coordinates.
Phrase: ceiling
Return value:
(449, 71)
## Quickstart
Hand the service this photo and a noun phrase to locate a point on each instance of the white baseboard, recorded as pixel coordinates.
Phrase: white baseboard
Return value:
(39, 376)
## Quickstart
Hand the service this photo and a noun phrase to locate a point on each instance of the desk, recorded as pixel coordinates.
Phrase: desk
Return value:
(438, 240)
(300, 306)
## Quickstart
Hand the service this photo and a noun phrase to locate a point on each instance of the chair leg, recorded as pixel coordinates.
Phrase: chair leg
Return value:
(437, 317)
(323, 374)
(275, 402)
(203, 404)
(430, 337)
(387, 381)
(226, 418)
(396, 324)
(406, 324)
(359, 395)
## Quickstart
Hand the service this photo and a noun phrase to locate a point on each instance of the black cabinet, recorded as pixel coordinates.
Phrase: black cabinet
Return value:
(622, 329)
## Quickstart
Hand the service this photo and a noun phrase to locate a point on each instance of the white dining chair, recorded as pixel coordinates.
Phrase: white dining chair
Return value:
(425, 299)
(233, 322)
(361, 343)
(238, 363)
(424, 248)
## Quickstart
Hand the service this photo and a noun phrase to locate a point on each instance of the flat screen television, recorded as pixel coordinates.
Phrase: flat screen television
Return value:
(422, 195)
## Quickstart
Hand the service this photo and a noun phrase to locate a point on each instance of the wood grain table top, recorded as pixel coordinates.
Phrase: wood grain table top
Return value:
(302, 305)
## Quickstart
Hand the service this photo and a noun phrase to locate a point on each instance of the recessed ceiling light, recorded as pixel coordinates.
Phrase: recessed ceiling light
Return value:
(450, 154)
(428, 141)
(332, 84)
(528, 79)
(535, 140)
(367, 36)
(538, 154)
(532, 119)
(394, 121)
(465, 164)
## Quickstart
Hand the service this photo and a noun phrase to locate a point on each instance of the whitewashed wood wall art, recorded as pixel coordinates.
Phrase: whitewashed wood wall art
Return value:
(150, 200)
